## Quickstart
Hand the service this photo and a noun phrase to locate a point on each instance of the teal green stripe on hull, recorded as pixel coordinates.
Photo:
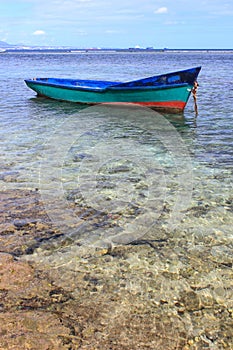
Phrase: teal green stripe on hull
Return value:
(179, 93)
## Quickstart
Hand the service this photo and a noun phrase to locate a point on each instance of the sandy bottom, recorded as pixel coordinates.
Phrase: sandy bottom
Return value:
(169, 290)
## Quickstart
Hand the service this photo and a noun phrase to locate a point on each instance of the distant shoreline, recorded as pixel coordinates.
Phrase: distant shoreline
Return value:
(130, 50)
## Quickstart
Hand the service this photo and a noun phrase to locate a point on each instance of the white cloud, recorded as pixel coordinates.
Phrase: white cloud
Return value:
(161, 10)
(112, 31)
(174, 23)
(39, 32)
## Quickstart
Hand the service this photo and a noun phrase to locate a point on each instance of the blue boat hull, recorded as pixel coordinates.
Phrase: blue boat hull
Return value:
(169, 92)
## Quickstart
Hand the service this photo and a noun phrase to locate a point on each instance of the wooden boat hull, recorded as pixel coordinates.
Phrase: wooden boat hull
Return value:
(148, 92)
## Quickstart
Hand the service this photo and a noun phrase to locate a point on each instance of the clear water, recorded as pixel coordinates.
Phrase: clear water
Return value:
(108, 176)
(122, 163)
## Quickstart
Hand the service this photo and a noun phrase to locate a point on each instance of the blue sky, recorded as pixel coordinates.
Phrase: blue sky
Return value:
(118, 23)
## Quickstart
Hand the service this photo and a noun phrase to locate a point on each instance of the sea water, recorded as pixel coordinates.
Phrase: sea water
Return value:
(28, 123)
(109, 176)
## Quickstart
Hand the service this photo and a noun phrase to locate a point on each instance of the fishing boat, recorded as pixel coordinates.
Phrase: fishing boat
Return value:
(167, 92)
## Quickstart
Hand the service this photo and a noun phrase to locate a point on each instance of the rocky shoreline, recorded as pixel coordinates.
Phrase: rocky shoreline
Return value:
(172, 291)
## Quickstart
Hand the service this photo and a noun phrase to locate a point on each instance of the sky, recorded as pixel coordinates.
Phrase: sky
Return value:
(118, 23)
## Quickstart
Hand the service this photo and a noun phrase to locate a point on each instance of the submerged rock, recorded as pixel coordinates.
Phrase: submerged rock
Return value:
(167, 291)
(28, 318)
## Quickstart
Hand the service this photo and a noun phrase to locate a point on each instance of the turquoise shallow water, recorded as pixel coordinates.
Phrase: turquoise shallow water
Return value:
(126, 210)
(119, 162)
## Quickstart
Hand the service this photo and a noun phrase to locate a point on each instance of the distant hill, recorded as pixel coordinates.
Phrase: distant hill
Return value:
(5, 44)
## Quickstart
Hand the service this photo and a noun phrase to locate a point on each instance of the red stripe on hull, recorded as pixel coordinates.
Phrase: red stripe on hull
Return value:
(166, 106)
(170, 104)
